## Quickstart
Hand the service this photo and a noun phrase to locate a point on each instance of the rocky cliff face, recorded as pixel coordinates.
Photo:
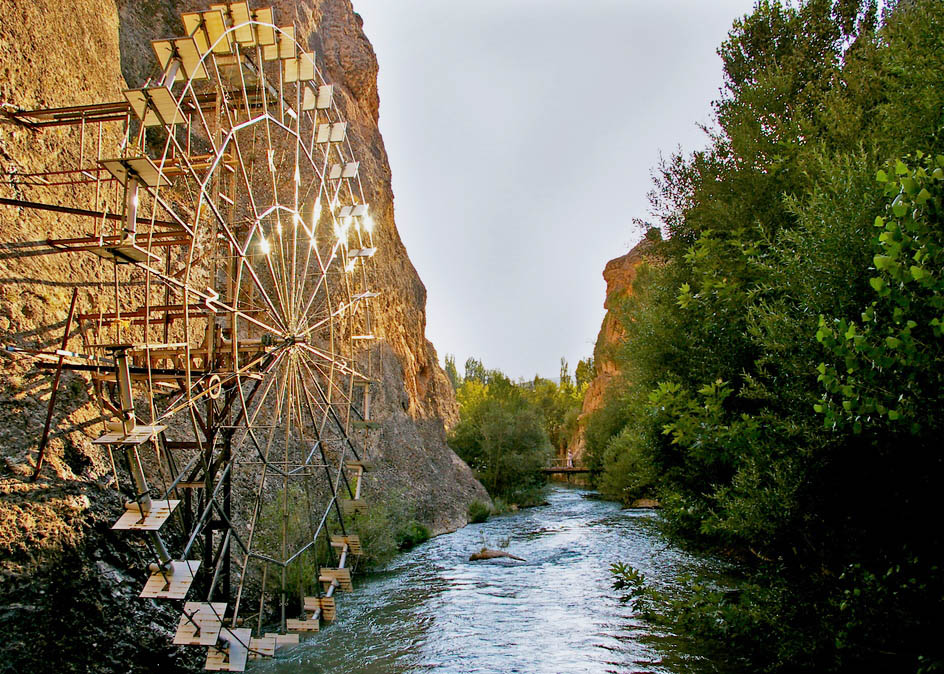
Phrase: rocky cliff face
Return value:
(618, 274)
(66, 593)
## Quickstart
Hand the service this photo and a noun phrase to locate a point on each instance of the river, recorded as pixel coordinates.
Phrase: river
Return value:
(433, 610)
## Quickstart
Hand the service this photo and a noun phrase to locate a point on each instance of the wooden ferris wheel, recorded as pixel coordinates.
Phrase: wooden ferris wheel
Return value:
(230, 344)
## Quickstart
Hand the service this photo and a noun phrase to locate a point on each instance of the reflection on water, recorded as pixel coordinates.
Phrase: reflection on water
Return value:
(432, 609)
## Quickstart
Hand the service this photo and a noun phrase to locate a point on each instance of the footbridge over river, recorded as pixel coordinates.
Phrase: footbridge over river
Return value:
(564, 470)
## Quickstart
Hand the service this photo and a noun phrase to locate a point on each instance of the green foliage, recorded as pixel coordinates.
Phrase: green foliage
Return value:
(451, 372)
(479, 512)
(475, 371)
(292, 510)
(387, 527)
(507, 431)
(585, 372)
(559, 405)
(501, 435)
(886, 367)
(412, 534)
(784, 362)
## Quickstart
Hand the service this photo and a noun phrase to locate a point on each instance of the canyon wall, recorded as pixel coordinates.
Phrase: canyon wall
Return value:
(68, 585)
(619, 274)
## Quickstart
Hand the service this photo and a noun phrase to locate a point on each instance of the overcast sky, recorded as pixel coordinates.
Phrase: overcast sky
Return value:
(521, 136)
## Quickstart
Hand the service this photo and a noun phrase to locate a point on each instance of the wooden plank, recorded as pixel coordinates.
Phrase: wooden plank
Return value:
(326, 605)
(232, 652)
(282, 640)
(152, 520)
(265, 26)
(190, 57)
(352, 542)
(285, 47)
(239, 12)
(361, 252)
(173, 584)
(328, 608)
(325, 96)
(260, 647)
(342, 576)
(302, 625)
(125, 254)
(301, 69)
(142, 168)
(351, 506)
(353, 464)
(200, 624)
(138, 436)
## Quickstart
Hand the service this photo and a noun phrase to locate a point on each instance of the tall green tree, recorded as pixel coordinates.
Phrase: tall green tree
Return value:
(501, 436)
(451, 372)
(777, 304)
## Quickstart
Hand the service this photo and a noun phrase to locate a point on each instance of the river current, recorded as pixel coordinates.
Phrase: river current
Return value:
(432, 609)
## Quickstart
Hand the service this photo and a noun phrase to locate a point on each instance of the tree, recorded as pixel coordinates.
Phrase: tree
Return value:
(474, 369)
(451, 372)
(565, 379)
(501, 436)
(776, 306)
(585, 372)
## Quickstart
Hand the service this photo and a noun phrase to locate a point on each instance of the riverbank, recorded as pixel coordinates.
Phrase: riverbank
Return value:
(432, 608)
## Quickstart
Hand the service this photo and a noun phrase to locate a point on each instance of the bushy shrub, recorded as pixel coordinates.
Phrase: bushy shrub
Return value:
(479, 512)
(388, 526)
(412, 534)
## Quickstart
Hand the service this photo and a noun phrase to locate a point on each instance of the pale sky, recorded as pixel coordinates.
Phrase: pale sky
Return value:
(521, 135)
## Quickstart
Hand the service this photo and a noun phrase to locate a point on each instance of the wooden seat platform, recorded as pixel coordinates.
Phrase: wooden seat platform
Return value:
(353, 543)
(326, 605)
(302, 625)
(261, 647)
(138, 436)
(350, 506)
(342, 576)
(200, 625)
(137, 520)
(361, 252)
(172, 583)
(155, 106)
(331, 133)
(282, 640)
(231, 651)
(140, 168)
(127, 253)
(185, 49)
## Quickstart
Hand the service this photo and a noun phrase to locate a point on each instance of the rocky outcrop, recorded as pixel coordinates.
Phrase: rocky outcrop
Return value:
(55, 542)
(619, 274)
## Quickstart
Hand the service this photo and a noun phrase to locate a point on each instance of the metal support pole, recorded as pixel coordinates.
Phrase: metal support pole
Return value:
(55, 389)
(143, 492)
(131, 209)
(123, 375)
(171, 73)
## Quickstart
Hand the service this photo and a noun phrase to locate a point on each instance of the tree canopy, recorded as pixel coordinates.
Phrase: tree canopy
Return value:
(781, 372)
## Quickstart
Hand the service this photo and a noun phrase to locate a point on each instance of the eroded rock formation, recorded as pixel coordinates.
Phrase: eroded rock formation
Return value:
(619, 274)
(68, 585)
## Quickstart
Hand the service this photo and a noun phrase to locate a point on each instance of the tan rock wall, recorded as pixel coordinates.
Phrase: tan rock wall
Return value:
(55, 53)
(619, 274)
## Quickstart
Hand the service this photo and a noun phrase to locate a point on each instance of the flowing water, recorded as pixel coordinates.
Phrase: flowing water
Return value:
(432, 609)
